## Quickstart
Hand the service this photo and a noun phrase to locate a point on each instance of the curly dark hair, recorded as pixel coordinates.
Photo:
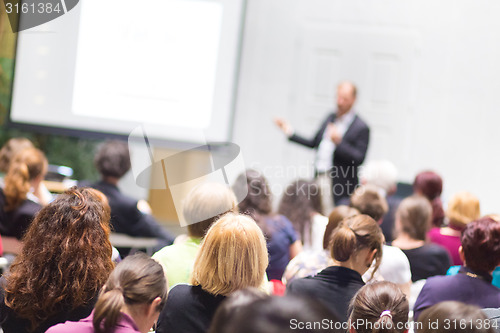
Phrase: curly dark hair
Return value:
(66, 257)
(300, 200)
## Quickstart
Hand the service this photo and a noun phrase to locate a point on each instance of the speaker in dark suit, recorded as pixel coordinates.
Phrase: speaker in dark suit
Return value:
(341, 143)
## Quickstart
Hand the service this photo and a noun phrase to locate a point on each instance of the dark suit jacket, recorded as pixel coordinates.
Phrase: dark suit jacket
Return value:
(127, 219)
(347, 157)
(15, 223)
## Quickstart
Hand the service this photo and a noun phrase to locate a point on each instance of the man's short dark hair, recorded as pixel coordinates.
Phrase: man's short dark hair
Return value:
(113, 159)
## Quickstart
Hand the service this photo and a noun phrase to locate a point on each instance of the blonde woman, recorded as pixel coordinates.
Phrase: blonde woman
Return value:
(232, 256)
(202, 207)
(463, 208)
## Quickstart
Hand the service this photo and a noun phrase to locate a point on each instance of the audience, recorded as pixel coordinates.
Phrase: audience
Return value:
(57, 282)
(202, 206)
(430, 185)
(232, 256)
(113, 162)
(383, 174)
(17, 199)
(65, 261)
(283, 315)
(463, 208)
(282, 242)
(379, 307)
(413, 220)
(355, 244)
(309, 263)
(452, 316)
(301, 204)
(480, 252)
(130, 301)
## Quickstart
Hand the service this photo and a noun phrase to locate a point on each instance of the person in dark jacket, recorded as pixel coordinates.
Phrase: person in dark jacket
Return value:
(113, 162)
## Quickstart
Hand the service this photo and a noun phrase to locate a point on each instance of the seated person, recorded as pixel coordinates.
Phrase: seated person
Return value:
(129, 302)
(413, 219)
(17, 200)
(384, 175)
(65, 260)
(232, 256)
(463, 208)
(379, 303)
(282, 241)
(394, 266)
(480, 252)
(430, 185)
(355, 244)
(202, 206)
(311, 262)
(7, 154)
(301, 204)
(113, 161)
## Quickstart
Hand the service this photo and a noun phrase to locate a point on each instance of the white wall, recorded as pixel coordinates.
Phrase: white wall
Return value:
(427, 72)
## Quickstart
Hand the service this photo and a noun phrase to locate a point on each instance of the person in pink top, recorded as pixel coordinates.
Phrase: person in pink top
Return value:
(462, 209)
(129, 302)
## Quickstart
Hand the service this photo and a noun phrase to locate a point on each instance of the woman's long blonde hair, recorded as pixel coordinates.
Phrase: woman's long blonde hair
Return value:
(233, 256)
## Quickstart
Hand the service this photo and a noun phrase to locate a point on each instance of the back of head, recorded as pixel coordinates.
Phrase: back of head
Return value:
(283, 315)
(336, 216)
(300, 200)
(356, 233)
(451, 316)
(66, 256)
(10, 149)
(204, 204)
(462, 209)
(428, 184)
(136, 280)
(369, 201)
(379, 307)
(233, 305)
(414, 215)
(381, 173)
(481, 245)
(113, 159)
(232, 256)
(27, 165)
(259, 197)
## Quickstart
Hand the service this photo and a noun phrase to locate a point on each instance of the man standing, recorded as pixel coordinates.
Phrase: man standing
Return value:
(341, 143)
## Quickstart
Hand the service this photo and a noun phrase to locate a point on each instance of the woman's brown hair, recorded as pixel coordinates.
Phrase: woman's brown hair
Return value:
(66, 257)
(336, 216)
(27, 165)
(138, 279)
(379, 307)
(356, 233)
